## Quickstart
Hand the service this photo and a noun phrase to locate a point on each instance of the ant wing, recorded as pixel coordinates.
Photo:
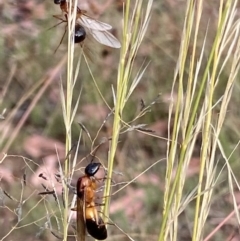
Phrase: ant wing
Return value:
(105, 38)
(81, 229)
(91, 23)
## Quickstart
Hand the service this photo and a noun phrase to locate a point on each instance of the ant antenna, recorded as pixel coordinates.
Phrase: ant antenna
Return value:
(93, 153)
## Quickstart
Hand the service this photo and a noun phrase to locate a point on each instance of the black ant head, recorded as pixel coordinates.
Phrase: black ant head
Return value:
(92, 168)
(58, 1)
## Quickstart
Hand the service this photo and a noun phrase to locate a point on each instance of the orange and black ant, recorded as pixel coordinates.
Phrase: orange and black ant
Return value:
(87, 25)
(86, 208)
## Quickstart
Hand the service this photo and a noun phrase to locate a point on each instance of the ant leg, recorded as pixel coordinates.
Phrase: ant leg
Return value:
(61, 40)
(104, 178)
(60, 17)
(63, 21)
(114, 224)
(99, 204)
(74, 208)
(103, 197)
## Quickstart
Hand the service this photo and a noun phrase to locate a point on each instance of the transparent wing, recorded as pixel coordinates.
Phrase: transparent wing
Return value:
(105, 38)
(91, 23)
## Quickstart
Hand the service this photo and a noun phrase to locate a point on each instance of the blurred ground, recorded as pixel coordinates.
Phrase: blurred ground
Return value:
(33, 128)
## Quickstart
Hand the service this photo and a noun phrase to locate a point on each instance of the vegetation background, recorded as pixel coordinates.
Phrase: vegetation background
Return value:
(33, 131)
